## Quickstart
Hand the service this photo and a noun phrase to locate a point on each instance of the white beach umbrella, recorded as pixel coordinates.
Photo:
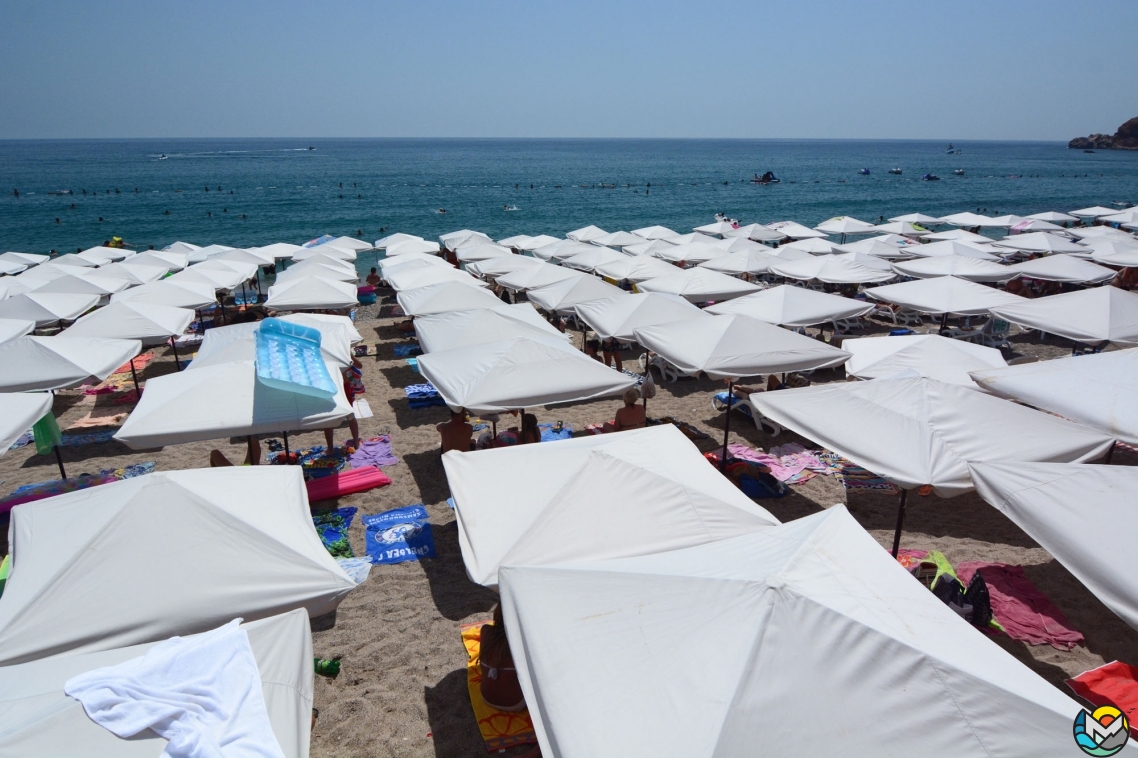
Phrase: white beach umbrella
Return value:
(586, 233)
(792, 306)
(131, 320)
(162, 259)
(864, 259)
(224, 400)
(742, 262)
(711, 650)
(561, 249)
(72, 259)
(1064, 268)
(787, 253)
(1062, 506)
(315, 261)
(699, 285)
(416, 260)
(620, 317)
(39, 718)
(1115, 254)
(413, 246)
(115, 574)
(329, 250)
(1055, 217)
(691, 253)
(279, 250)
(654, 232)
(846, 225)
(219, 280)
(561, 297)
(445, 296)
(173, 294)
(18, 412)
(830, 269)
(634, 269)
(590, 260)
(536, 276)
(395, 239)
(40, 275)
(30, 363)
(1003, 222)
(967, 218)
(8, 268)
(756, 233)
(515, 242)
(130, 273)
(681, 239)
(340, 329)
(904, 228)
(47, 307)
(795, 230)
(102, 255)
(916, 218)
(1099, 391)
(181, 247)
(718, 229)
(350, 243)
(1041, 242)
(454, 240)
(1093, 316)
(446, 331)
(238, 342)
(519, 373)
(311, 293)
(10, 286)
(1087, 233)
(917, 431)
(737, 244)
(929, 355)
(481, 252)
(1127, 217)
(813, 246)
(495, 267)
(956, 248)
(404, 278)
(1034, 225)
(250, 255)
(25, 259)
(540, 240)
(617, 239)
(86, 285)
(875, 249)
(1094, 212)
(11, 328)
(205, 253)
(961, 266)
(945, 294)
(558, 493)
(957, 235)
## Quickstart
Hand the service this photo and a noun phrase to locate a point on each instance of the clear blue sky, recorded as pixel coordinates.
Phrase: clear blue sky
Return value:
(998, 69)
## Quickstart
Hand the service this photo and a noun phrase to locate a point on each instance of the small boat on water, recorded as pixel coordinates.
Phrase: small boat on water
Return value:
(864, 172)
(930, 178)
(767, 178)
(510, 208)
(958, 172)
(162, 157)
(895, 171)
(950, 148)
(310, 147)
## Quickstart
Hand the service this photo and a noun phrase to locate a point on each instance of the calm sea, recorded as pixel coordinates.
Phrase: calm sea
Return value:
(262, 191)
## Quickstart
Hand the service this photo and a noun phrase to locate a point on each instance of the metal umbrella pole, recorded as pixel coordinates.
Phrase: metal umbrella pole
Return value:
(900, 522)
(287, 457)
(134, 376)
(174, 347)
(59, 460)
(727, 426)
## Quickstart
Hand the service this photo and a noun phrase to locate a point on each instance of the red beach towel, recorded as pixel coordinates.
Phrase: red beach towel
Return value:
(346, 483)
(1025, 613)
(1112, 684)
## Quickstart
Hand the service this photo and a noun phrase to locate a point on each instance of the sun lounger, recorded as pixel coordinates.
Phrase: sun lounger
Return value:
(762, 423)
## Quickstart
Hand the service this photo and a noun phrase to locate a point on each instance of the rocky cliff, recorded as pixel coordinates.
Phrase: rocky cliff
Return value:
(1126, 138)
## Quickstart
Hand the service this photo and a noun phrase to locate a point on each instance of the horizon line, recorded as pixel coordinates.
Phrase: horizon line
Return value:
(535, 139)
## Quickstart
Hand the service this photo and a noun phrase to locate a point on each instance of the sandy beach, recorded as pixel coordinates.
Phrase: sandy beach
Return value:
(402, 686)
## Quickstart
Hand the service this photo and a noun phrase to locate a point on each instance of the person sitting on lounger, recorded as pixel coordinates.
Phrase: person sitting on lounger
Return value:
(456, 434)
(631, 416)
(530, 433)
(499, 687)
(353, 382)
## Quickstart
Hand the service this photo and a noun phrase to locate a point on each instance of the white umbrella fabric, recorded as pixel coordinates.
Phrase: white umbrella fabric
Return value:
(699, 285)
(634, 269)
(586, 234)
(445, 331)
(1062, 267)
(132, 320)
(1093, 316)
(445, 296)
(563, 296)
(945, 294)
(310, 293)
(47, 307)
(1041, 242)
(620, 317)
(829, 269)
(655, 232)
(928, 355)
(174, 294)
(11, 328)
(29, 364)
(793, 307)
(960, 266)
(18, 412)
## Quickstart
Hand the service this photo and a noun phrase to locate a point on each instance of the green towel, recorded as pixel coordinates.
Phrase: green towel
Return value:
(5, 567)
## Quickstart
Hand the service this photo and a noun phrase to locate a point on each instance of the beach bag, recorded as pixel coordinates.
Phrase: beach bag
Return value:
(648, 387)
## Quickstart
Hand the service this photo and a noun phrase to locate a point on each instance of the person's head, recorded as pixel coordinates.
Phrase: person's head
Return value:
(631, 395)
(498, 620)
(529, 422)
(373, 269)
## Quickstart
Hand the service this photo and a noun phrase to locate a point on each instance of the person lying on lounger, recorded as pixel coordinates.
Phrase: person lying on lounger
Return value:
(456, 434)
(631, 416)
(217, 458)
(499, 686)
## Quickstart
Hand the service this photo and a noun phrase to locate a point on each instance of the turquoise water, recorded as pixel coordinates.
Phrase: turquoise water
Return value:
(278, 190)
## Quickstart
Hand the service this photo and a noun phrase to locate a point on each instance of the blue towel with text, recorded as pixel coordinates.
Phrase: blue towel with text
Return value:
(403, 534)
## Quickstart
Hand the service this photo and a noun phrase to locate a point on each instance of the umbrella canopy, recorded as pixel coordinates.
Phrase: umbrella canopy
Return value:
(718, 229)
(30, 363)
(792, 306)
(25, 259)
(930, 355)
(415, 260)
(1064, 268)
(132, 320)
(967, 219)
(955, 247)
(445, 331)
(519, 373)
(617, 239)
(412, 246)
(906, 228)
(561, 249)
(864, 259)
(85, 285)
(918, 431)
(588, 261)
(481, 252)
(163, 259)
(130, 273)
(322, 267)
(655, 478)
(563, 296)
(1100, 314)
(47, 307)
(714, 649)
(956, 235)
(586, 233)
(846, 225)
(961, 266)
(395, 239)
(39, 718)
(1115, 254)
(99, 255)
(536, 276)
(691, 252)
(11, 328)
(1041, 242)
(1054, 217)
(18, 411)
(181, 247)
(219, 277)
(41, 275)
(238, 342)
(1094, 212)
(351, 243)
(829, 269)
(1126, 217)
(115, 573)
(620, 317)
(755, 232)
(813, 246)
(729, 347)
(655, 232)
(945, 294)
(403, 278)
(916, 218)
(278, 250)
(205, 253)
(634, 268)
(1085, 233)
(445, 296)
(1004, 222)
(9, 268)
(310, 293)
(72, 259)
(742, 262)
(540, 240)
(737, 244)
(1064, 507)
(516, 241)
(224, 400)
(455, 240)
(253, 256)
(876, 248)
(173, 294)
(1099, 391)
(327, 251)
(1035, 225)
(699, 285)
(495, 267)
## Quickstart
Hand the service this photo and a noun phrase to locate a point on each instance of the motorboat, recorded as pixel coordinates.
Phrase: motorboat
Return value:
(930, 178)
(864, 172)
(767, 178)
(895, 171)
(958, 172)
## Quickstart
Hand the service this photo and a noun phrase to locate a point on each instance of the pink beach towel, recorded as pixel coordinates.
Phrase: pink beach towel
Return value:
(1025, 613)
